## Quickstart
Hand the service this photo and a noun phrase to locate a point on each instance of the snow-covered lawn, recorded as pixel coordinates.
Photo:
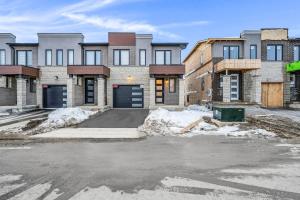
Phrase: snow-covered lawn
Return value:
(164, 122)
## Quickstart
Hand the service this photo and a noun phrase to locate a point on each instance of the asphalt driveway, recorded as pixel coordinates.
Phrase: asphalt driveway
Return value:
(117, 118)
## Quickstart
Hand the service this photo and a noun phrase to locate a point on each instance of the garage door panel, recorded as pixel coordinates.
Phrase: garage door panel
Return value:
(54, 96)
(128, 96)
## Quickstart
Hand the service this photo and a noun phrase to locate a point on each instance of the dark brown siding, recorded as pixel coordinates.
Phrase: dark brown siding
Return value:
(19, 70)
(121, 39)
(89, 70)
(166, 69)
(264, 44)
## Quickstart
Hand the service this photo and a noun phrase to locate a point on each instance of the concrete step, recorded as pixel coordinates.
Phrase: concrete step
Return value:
(91, 133)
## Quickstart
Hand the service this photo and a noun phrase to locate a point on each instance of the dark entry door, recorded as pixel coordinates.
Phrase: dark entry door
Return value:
(89, 91)
(54, 96)
(128, 96)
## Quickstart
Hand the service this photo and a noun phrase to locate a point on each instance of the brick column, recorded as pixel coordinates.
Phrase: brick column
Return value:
(181, 92)
(21, 92)
(71, 92)
(152, 93)
(257, 87)
(101, 92)
(226, 88)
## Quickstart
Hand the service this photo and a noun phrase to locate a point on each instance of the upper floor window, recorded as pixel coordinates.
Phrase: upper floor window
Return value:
(59, 57)
(2, 57)
(231, 52)
(253, 51)
(24, 57)
(297, 53)
(274, 52)
(162, 57)
(48, 61)
(201, 59)
(121, 57)
(142, 57)
(70, 56)
(93, 57)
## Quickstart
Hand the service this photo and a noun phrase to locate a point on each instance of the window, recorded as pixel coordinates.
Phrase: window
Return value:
(296, 53)
(9, 82)
(231, 52)
(24, 58)
(48, 61)
(121, 57)
(2, 57)
(59, 57)
(274, 52)
(142, 57)
(163, 57)
(172, 85)
(201, 59)
(32, 85)
(253, 51)
(70, 57)
(92, 57)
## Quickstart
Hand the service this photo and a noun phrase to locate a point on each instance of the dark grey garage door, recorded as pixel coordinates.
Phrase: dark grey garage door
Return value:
(54, 96)
(128, 96)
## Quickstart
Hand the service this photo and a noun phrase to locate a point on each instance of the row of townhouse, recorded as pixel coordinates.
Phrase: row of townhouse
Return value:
(61, 70)
(259, 67)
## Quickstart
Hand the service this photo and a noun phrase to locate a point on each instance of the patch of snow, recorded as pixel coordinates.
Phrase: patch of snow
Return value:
(280, 177)
(64, 117)
(33, 193)
(53, 195)
(8, 188)
(15, 148)
(9, 178)
(166, 192)
(196, 107)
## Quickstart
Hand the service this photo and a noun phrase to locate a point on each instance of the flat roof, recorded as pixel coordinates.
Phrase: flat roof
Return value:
(8, 34)
(183, 45)
(23, 44)
(93, 43)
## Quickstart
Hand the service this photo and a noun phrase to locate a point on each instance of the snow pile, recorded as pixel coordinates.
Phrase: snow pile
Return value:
(164, 122)
(64, 117)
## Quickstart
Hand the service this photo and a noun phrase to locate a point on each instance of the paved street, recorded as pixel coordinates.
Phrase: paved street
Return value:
(202, 167)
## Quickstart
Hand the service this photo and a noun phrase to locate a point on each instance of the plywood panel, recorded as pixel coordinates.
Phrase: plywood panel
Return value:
(272, 95)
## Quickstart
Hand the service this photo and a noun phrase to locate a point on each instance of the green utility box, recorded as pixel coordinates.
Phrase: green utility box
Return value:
(229, 114)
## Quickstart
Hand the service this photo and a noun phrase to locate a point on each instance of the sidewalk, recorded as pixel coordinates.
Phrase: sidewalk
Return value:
(91, 133)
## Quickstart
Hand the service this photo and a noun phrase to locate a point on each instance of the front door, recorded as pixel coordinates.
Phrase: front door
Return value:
(234, 87)
(159, 90)
(89, 91)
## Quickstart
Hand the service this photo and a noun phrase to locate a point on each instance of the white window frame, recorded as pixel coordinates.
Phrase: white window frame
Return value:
(2, 57)
(48, 61)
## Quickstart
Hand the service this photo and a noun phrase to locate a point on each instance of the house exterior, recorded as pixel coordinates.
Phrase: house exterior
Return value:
(61, 70)
(250, 69)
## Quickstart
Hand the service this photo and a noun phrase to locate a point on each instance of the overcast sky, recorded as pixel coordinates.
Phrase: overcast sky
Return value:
(168, 20)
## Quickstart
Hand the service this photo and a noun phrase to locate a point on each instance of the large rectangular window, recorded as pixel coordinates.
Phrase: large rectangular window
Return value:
(231, 52)
(297, 53)
(24, 58)
(70, 57)
(163, 57)
(2, 57)
(92, 57)
(121, 57)
(59, 57)
(142, 57)
(48, 57)
(253, 51)
(274, 52)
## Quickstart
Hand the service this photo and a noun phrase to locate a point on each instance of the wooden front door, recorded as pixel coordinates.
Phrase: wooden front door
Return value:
(272, 95)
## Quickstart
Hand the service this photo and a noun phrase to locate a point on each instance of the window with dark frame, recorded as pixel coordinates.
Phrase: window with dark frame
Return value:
(202, 84)
(70, 57)
(2, 57)
(296, 52)
(24, 57)
(163, 57)
(231, 52)
(8, 82)
(172, 85)
(121, 57)
(59, 57)
(253, 51)
(274, 52)
(142, 57)
(93, 57)
(32, 85)
(48, 57)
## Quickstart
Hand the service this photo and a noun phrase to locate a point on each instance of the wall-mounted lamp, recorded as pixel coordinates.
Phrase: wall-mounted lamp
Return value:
(56, 77)
(129, 78)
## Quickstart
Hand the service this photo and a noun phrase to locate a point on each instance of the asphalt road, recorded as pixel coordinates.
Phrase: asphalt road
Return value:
(201, 167)
(117, 118)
